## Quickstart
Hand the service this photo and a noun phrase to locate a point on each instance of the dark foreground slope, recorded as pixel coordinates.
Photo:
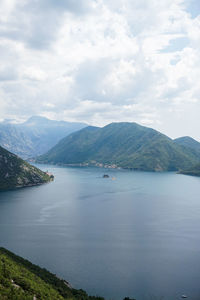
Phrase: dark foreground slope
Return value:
(15, 172)
(126, 145)
(22, 280)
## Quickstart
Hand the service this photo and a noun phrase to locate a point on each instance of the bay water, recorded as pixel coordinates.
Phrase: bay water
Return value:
(133, 234)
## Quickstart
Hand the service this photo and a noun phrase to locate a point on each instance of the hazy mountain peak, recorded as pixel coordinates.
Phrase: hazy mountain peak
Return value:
(35, 136)
(9, 121)
(36, 120)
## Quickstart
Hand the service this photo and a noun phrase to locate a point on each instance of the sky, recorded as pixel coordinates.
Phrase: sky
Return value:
(102, 61)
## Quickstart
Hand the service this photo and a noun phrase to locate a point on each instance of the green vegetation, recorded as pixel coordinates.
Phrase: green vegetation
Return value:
(22, 280)
(194, 146)
(15, 172)
(188, 142)
(126, 145)
(193, 171)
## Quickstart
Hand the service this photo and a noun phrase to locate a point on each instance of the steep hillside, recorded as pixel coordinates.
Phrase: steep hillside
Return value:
(22, 280)
(193, 171)
(189, 142)
(126, 145)
(35, 136)
(15, 172)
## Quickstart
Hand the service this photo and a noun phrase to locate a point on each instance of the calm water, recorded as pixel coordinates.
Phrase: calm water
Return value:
(136, 236)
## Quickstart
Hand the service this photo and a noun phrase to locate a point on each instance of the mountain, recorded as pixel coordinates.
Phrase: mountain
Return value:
(193, 171)
(126, 145)
(35, 136)
(15, 172)
(22, 280)
(188, 142)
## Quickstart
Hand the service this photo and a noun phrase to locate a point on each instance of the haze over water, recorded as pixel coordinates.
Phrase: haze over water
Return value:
(136, 236)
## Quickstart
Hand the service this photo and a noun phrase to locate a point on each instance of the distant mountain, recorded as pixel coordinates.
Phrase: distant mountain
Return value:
(126, 145)
(35, 136)
(15, 172)
(189, 142)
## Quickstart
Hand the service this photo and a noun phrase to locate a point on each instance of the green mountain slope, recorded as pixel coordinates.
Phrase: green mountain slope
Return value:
(126, 145)
(193, 171)
(189, 142)
(15, 172)
(35, 136)
(22, 280)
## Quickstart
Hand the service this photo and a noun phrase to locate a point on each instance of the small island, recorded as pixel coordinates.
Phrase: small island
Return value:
(106, 176)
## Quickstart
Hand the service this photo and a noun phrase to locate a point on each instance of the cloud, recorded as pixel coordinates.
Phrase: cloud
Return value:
(8, 73)
(36, 23)
(83, 7)
(101, 61)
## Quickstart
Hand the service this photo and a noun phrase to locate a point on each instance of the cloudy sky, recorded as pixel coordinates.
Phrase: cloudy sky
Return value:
(99, 61)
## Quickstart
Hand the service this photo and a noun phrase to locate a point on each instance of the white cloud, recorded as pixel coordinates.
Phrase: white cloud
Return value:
(101, 61)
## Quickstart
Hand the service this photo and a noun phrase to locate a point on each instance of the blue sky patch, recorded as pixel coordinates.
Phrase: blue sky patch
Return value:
(193, 7)
(177, 44)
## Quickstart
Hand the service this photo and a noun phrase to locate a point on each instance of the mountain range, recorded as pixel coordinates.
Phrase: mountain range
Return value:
(35, 136)
(125, 145)
(15, 172)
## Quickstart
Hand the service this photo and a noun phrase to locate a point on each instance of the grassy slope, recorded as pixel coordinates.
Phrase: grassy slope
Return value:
(22, 280)
(127, 145)
(15, 172)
